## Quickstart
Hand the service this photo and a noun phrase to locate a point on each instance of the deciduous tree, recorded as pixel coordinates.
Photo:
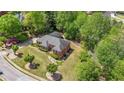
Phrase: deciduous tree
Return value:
(9, 25)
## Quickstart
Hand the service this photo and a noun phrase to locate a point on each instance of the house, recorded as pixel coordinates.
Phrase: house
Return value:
(56, 34)
(55, 43)
(109, 13)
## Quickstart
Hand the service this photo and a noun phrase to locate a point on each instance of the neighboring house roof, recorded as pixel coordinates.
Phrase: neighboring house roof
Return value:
(2, 12)
(58, 43)
(56, 34)
(109, 13)
(20, 16)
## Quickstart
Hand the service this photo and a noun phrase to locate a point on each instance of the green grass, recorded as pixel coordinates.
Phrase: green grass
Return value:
(40, 58)
(120, 16)
(67, 69)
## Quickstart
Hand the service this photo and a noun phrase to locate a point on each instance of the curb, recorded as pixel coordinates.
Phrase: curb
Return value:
(24, 71)
(2, 79)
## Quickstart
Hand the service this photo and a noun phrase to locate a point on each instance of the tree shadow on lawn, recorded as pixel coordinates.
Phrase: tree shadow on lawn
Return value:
(34, 65)
(57, 76)
(20, 55)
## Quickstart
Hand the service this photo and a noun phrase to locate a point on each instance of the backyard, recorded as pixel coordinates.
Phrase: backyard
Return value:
(67, 69)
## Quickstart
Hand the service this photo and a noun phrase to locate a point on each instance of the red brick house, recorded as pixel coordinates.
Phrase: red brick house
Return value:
(57, 45)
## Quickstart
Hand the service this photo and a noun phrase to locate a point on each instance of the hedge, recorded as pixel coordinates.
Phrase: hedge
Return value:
(54, 55)
(22, 37)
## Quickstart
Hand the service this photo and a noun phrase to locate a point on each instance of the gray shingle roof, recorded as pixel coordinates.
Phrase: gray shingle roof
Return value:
(58, 43)
(56, 34)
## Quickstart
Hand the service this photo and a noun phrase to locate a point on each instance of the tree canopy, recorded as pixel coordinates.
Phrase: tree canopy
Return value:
(96, 27)
(9, 25)
(52, 68)
(118, 71)
(15, 48)
(110, 50)
(88, 71)
(35, 21)
(29, 58)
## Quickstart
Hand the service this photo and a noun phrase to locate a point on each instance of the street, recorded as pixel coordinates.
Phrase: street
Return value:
(12, 74)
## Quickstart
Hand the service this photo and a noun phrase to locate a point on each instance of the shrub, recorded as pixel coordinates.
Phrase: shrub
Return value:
(2, 38)
(15, 48)
(35, 45)
(52, 68)
(84, 56)
(1, 44)
(43, 49)
(29, 58)
(22, 37)
(54, 55)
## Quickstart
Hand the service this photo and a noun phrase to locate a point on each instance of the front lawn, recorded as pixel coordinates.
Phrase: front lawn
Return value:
(67, 69)
(40, 58)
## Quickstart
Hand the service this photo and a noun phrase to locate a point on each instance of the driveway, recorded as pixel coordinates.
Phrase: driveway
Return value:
(12, 74)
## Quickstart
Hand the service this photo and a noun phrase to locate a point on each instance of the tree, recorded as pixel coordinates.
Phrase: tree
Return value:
(107, 55)
(51, 23)
(63, 19)
(84, 56)
(96, 27)
(15, 48)
(71, 31)
(35, 21)
(52, 68)
(88, 71)
(29, 58)
(118, 71)
(9, 25)
(109, 51)
(65, 22)
(81, 19)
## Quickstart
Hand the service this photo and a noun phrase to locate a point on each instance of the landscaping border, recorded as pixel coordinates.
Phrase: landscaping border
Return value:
(24, 71)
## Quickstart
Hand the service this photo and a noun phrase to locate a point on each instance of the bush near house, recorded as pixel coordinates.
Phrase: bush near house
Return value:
(54, 55)
(22, 37)
(39, 47)
(35, 45)
(43, 49)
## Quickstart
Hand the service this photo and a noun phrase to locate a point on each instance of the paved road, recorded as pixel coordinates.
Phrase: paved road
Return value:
(12, 74)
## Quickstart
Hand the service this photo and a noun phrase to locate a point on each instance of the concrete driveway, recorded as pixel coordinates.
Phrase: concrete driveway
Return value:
(12, 74)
